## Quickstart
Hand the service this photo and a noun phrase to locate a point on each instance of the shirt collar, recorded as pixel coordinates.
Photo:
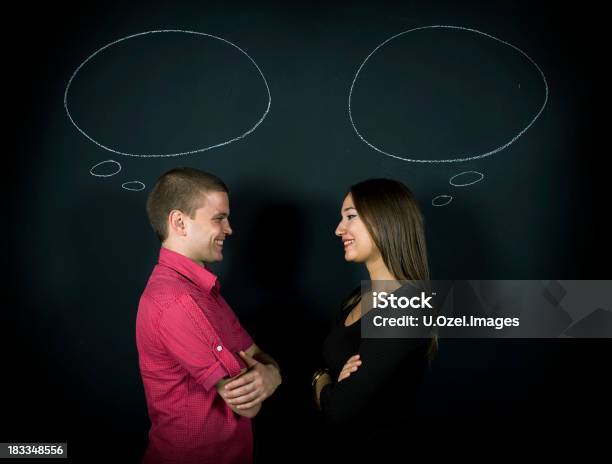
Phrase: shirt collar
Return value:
(200, 275)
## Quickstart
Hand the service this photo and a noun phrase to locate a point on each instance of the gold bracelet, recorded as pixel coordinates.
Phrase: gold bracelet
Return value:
(317, 375)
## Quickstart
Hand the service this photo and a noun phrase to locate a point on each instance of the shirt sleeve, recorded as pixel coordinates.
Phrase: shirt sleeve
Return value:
(381, 359)
(186, 334)
(244, 340)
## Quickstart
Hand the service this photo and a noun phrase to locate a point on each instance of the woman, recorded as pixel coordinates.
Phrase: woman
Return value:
(366, 390)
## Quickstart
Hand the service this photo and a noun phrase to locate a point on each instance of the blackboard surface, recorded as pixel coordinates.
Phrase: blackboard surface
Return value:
(259, 95)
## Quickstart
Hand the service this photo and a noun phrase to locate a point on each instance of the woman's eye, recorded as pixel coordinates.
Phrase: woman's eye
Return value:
(351, 216)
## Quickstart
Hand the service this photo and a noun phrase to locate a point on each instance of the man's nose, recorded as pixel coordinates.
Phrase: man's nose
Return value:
(228, 229)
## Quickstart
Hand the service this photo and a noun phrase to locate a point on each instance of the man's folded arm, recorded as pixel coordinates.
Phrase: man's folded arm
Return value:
(255, 352)
(249, 412)
(184, 337)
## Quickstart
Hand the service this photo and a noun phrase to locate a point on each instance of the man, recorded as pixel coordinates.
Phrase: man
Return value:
(203, 376)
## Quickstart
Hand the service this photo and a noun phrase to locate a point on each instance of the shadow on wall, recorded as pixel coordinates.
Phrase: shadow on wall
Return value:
(266, 282)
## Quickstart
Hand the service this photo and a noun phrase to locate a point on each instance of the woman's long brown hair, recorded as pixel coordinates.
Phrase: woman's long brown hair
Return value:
(393, 219)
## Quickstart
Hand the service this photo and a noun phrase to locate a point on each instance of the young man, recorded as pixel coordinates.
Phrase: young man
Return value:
(203, 376)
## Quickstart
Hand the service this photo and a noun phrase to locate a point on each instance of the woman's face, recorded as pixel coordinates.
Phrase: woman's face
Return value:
(358, 245)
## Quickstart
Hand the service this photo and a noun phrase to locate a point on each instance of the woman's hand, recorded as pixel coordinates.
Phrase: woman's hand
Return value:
(351, 365)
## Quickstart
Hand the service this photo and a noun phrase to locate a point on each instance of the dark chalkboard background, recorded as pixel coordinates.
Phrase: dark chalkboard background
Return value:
(80, 248)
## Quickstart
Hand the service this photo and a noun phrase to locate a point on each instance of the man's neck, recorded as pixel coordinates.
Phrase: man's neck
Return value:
(177, 248)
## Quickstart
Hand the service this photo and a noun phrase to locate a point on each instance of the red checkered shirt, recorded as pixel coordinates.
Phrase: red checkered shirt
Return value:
(187, 338)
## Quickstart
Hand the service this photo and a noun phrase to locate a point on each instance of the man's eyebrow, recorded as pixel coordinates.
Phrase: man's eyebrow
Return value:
(221, 215)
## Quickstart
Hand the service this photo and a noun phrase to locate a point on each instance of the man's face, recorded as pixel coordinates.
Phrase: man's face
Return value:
(206, 232)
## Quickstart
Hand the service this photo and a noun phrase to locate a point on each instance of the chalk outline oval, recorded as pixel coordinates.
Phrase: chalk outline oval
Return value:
(455, 160)
(105, 175)
(123, 186)
(450, 198)
(227, 142)
(466, 172)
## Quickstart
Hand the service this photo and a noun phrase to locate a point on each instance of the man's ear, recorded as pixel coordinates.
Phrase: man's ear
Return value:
(176, 222)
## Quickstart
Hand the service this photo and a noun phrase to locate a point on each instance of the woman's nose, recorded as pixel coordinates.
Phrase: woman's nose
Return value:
(339, 229)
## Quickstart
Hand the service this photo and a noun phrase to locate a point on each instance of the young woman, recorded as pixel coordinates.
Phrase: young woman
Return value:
(368, 387)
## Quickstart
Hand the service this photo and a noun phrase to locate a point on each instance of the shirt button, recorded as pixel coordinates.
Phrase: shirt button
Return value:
(219, 348)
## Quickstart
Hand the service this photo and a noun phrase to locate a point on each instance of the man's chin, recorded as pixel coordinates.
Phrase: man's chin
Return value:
(213, 258)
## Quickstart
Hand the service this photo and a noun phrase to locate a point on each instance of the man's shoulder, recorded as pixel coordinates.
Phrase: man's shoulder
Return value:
(165, 287)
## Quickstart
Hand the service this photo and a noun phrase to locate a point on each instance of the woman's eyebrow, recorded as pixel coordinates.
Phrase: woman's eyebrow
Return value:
(347, 208)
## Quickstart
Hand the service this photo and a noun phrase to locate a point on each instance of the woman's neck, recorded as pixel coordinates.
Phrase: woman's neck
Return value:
(378, 270)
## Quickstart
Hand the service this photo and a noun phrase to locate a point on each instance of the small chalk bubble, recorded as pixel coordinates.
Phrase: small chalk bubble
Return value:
(133, 186)
(104, 163)
(442, 200)
(465, 182)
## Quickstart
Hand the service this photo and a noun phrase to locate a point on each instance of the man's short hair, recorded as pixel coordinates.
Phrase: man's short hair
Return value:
(181, 189)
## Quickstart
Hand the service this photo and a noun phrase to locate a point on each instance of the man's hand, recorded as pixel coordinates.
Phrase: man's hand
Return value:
(250, 413)
(253, 386)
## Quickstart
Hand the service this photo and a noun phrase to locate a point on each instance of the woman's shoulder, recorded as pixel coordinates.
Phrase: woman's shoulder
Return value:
(347, 305)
